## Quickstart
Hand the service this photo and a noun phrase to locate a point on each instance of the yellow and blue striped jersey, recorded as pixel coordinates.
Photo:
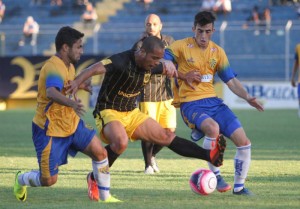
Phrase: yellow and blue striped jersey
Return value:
(59, 120)
(297, 52)
(188, 56)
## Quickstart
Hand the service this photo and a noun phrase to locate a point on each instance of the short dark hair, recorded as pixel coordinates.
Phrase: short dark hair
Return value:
(66, 35)
(152, 42)
(204, 18)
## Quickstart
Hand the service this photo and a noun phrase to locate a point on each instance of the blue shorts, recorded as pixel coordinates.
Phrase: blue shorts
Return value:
(53, 151)
(298, 91)
(195, 112)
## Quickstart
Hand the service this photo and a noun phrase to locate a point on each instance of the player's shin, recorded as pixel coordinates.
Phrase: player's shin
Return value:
(112, 156)
(210, 143)
(102, 177)
(188, 149)
(241, 164)
(31, 179)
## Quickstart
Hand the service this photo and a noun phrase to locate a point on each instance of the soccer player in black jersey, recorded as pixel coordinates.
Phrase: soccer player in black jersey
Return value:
(156, 97)
(117, 117)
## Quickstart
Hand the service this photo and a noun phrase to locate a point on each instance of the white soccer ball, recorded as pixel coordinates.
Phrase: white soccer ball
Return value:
(203, 181)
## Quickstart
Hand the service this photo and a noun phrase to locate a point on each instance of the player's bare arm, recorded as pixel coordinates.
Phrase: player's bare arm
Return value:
(56, 96)
(169, 69)
(95, 69)
(294, 72)
(237, 88)
(191, 78)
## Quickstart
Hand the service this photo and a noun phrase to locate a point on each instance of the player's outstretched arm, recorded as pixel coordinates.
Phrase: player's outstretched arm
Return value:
(237, 88)
(95, 69)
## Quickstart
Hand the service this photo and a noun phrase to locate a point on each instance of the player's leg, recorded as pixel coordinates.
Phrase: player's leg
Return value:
(210, 128)
(111, 125)
(147, 148)
(242, 161)
(150, 109)
(167, 120)
(231, 127)
(86, 141)
(151, 131)
(196, 115)
(99, 182)
(50, 156)
(298, 91)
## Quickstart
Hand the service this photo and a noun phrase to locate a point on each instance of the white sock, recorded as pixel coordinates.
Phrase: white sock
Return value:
(210, 143)
(102, 176)
(31, 178)
(242, 161)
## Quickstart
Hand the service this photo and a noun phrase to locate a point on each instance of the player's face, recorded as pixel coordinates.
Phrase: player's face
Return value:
(151, 59)
(75, 51)
(153, 26)
(203, 34)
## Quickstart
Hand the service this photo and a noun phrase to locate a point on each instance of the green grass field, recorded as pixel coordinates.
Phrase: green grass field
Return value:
(274, 174)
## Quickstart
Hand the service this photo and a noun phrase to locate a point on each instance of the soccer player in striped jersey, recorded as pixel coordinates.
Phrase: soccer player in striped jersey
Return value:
(117, 117)
(199, 105)
(156, 98)
(294, 73)
(57, 129)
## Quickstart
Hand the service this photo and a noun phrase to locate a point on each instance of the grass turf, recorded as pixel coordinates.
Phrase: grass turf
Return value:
(273, 177)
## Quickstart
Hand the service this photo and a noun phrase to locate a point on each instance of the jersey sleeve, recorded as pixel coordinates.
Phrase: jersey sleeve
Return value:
(54, 77)
(225, 72)
(172, 52)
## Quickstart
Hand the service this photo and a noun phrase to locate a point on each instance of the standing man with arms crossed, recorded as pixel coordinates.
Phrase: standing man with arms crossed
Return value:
(200, 107)
(156, 97)
(294, 74)
(57, 128)
(117, 117)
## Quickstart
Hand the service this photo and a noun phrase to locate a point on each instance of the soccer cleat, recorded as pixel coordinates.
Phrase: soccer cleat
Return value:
(93, 191)
(244, 191)
(149, 170)
(20, 191)
(110, 199)
(154, 165)
(216, 154)
(222, 186)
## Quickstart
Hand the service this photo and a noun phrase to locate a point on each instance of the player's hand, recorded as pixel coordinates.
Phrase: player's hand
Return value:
(192, 76)
(72, 87)
(254, 103)
(78, 107)
(87, 86)
(170, 69)
(293, 83)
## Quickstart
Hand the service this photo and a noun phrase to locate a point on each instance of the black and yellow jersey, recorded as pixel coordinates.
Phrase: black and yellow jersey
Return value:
(159, 88)
(122, 83)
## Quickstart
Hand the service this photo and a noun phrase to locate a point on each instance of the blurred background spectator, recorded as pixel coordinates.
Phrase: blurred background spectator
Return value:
(222, 6)
(207, 5)
(89, 16)
(56, 2)
(30, 31)
(2, 10)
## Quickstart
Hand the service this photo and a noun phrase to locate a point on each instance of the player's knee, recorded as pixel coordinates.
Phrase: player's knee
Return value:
(101, 154)
(49, 181)
(211, 129)
(167, 137)
(119, 147)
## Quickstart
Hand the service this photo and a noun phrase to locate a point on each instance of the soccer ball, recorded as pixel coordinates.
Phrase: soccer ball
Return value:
(203, 181)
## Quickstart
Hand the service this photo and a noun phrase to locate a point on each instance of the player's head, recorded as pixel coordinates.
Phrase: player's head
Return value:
(203, 28)
(151, 51)
(153, 25)
(68, 43)
(204, 18)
